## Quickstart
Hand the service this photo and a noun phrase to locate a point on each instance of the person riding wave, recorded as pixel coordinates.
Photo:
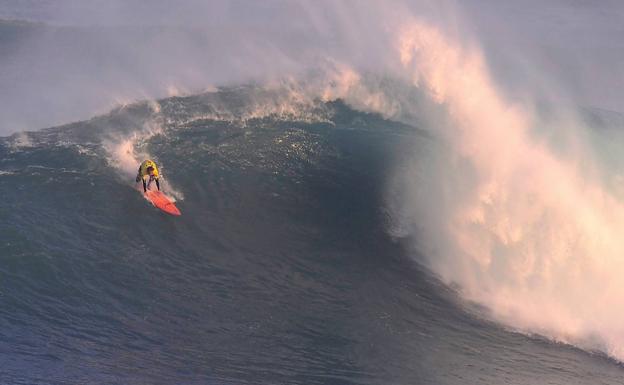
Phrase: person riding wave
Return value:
(148, 172)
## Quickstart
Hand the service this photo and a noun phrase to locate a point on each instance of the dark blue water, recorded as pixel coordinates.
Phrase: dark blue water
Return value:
(279, 271)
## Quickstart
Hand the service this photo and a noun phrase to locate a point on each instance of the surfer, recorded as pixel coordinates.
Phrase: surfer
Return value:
(148, 171)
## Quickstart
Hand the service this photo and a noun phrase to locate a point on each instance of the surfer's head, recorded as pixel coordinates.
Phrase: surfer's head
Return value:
(150, 170)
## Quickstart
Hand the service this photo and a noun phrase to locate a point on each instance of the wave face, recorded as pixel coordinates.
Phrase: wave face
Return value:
(280, 270)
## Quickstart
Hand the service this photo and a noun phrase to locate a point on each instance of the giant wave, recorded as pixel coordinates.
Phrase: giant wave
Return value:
(286, 266)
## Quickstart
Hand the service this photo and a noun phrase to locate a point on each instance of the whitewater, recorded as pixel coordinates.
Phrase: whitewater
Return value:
(412, 220)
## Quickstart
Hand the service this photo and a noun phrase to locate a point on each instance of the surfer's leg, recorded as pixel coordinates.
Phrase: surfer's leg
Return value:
(144, 186)
(157, 184)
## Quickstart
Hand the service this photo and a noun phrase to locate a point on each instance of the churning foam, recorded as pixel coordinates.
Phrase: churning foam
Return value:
(126, 152)
(520, 228)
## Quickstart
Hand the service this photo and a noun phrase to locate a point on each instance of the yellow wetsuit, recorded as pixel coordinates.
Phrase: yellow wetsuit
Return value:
(143, 174)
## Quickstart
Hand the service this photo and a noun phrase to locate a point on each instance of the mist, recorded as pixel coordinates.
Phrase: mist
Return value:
(73, 60)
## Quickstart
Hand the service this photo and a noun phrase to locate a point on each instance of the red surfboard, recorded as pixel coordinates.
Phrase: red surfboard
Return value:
(161, 201)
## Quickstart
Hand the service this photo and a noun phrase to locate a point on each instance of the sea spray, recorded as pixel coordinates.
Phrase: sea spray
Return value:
(520, 228)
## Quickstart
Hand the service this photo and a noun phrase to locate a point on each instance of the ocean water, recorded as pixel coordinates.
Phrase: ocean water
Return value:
(281, 269)
(372, 192)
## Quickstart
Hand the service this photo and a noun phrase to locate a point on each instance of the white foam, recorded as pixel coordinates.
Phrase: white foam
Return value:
(532, 233)
(125, 154)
